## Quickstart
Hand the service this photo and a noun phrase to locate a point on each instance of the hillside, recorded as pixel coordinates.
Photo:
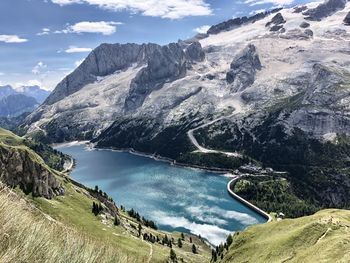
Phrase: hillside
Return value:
(53, 216)
(322, 237)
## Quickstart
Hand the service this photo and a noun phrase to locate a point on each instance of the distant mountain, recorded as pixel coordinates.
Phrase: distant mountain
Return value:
(16, 104)
(36, 92)
(6, 91)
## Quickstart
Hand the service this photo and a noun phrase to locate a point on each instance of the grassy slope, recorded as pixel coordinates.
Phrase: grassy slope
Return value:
(73, 217)
(322, 237)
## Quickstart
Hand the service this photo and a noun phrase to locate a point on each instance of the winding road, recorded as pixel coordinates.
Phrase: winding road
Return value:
(190, 133)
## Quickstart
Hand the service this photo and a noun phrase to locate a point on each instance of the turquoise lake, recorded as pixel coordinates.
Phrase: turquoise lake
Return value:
(176, 198)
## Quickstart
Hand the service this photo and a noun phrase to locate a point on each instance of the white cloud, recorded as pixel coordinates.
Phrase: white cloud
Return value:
(2, 73)
(44, 31)
(38, 68)
(274, 2)
(78, 62)
(202, 29)
(12, 39)
(173, 9)
(102, 27)
(32, 82)
(213, 233)
(74, 49)
(254, 12)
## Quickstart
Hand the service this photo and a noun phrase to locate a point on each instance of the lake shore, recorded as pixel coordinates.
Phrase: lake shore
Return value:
(224, 172)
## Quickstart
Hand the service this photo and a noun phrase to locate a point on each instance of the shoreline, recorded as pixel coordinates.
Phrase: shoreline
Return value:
(170, 161)
(173, 162)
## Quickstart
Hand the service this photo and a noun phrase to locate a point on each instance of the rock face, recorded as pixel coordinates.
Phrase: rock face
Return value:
(166, 64)
(194, 52)
(325, 9)
(320, 107)
(104, 60)
(16, 104)
(347, 19)
(18, 169)
(243, 69)
(276, 20)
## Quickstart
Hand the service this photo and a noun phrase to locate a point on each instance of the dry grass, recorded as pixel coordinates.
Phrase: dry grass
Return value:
(26, 235)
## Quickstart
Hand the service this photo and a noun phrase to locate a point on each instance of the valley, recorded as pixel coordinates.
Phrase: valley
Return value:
(232, 145)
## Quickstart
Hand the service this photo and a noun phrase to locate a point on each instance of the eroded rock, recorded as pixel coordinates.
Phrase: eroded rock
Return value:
(243, 69)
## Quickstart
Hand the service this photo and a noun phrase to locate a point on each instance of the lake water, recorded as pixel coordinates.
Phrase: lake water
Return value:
(176, 198)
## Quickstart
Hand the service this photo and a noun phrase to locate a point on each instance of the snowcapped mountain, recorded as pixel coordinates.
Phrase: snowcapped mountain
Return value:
(248, 64)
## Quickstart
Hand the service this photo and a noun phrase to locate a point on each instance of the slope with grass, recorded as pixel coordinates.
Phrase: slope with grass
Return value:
(322, 237)
(36, 227)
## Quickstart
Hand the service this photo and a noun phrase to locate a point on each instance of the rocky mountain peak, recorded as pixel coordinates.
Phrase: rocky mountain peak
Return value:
(104, 60)
(165, 64)
(243, 68)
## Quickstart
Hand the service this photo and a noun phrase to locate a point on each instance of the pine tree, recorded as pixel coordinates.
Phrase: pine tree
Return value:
(190, 239)
(214, 256)
(179, 243)
(140, 229)
(194, 249)
(229, 240)
(182, 236)
(173, 255)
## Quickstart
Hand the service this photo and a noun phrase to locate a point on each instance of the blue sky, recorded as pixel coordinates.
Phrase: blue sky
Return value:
(41, 41)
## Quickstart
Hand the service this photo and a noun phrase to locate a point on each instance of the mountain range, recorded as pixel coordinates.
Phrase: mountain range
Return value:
(268, 87)
(16, 102)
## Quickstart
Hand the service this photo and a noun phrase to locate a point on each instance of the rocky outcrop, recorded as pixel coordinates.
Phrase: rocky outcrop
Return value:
(321, 109)
(194, 52)
(299, 9)
(276, 20)
(304, 25)
(325, 9)
(166, 64)
(243, 69)
(17, 168)
(104, 60)
(239, 21)
(347, 19)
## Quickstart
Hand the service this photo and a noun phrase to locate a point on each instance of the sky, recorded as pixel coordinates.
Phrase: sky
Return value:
(41, 41)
